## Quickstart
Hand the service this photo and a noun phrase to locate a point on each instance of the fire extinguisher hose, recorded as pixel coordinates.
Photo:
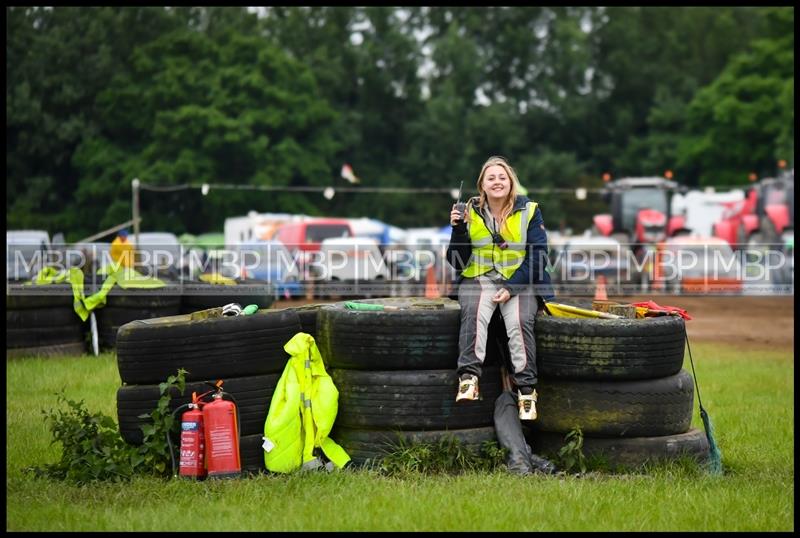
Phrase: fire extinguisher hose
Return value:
(169, 439)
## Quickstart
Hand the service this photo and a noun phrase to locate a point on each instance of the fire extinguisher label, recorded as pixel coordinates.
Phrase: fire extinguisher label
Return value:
(190, 426)
(221, 442)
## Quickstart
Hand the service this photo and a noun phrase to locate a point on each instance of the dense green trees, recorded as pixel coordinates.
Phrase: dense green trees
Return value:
(412, 97)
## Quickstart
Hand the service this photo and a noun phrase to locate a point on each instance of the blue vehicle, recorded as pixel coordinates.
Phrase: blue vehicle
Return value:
(271, 261)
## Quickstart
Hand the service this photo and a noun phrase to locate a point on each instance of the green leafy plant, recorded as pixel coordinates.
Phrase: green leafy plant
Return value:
(92, 448)
(447, 455)
(571, 455)
(154, 450)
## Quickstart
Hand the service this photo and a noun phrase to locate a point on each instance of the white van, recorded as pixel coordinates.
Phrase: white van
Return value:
(26, 253)
(350, 259)
(160, 251)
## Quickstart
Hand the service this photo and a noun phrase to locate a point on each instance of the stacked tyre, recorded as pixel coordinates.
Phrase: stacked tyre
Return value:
(396, 375)
(246, 352)
(621, 381)
(202, 295)
(41, 321)
(308, 317)
(126, 305)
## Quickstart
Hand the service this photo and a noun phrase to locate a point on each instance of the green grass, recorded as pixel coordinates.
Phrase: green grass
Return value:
(748, 394)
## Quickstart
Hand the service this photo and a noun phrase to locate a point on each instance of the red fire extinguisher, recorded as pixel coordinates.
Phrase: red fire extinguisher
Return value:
(192, 454)
(221, 428)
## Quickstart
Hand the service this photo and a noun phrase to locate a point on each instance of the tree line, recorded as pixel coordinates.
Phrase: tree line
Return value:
(411, 97)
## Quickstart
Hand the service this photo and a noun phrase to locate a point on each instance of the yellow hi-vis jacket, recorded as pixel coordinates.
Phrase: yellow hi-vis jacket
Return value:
(83, 306)
(486, 255)
(302, 411)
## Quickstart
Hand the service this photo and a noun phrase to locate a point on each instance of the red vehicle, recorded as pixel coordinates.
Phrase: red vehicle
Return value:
(697, 265)
(640, 211)
(304, 238)
(766, 213)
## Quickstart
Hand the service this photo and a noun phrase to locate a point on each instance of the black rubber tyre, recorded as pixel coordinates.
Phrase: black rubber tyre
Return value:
(54, 350)
(364, 446)
(148, 351)
(111, 318)
(251, 453)
(45, 336)
(422, 337)
(167, 297)
(602, 349)
(252, 396)
(308, 315)
(44, 331)
(19, 296)
(41, 317)
(412, 400)
(125, 305)
(202, 295)
(644, 408)
(625, 452)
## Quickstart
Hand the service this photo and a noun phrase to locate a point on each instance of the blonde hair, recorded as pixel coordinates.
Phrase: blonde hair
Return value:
(508, 203)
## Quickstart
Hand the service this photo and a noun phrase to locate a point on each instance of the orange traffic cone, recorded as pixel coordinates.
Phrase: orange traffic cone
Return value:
(600, 289)
(431, 288)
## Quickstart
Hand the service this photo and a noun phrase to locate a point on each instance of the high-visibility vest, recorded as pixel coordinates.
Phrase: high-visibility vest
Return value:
(486, 255)
(302, 411)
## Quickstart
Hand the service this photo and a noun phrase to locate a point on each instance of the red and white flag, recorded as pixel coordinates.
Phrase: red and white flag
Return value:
(347, 173)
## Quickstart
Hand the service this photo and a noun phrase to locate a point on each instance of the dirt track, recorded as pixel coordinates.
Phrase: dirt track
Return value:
(751, 322)
(746, 321)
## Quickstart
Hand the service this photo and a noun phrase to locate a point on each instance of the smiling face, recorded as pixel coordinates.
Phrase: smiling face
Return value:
(496, 184)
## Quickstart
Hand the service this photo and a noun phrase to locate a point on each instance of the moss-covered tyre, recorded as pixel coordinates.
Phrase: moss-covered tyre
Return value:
(649, 407)
(423, 335)
(618, 453)
(412, 399)
(148, 351)
(308, 317)
(365, 446)
(609, 349)
(43, 325)
(202, 295)
(252, 396)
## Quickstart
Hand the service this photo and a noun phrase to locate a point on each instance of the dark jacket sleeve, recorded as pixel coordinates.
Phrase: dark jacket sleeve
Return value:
(533, 268)
(460, 248)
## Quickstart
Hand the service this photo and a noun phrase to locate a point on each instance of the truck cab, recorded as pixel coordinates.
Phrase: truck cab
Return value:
(640, 210)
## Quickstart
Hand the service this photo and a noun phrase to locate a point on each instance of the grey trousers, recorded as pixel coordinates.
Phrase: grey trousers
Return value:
(475, 298)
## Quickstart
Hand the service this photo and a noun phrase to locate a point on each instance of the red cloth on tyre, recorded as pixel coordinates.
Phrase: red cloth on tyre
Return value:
(656, 308)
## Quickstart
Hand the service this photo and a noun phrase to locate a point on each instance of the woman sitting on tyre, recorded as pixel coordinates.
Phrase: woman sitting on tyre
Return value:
(499, 247)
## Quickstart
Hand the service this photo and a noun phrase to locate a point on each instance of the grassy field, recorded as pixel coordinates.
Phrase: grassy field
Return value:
(748, 394)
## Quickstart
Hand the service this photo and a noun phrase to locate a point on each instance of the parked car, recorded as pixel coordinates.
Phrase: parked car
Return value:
(304, 238)
(159, 251)
(351, 259)
(578, 261)
(308, 234)
(699, 264)
(270, 261)
(26, 253)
